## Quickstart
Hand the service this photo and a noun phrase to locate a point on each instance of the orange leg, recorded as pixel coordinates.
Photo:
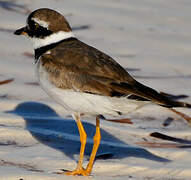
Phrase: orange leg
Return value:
(79, 169)
(97, 139)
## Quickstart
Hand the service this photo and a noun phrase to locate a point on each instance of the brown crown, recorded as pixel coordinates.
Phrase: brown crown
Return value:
(56, 21)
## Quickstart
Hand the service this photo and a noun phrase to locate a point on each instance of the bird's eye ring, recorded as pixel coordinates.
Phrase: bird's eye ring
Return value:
(36, 25)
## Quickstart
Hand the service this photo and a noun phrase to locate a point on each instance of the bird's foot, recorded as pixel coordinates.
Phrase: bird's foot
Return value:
(76, 172)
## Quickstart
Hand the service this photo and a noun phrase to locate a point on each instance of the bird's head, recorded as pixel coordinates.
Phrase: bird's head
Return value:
(45, 26)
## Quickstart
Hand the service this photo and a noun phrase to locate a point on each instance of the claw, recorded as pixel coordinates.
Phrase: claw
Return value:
(77, 172)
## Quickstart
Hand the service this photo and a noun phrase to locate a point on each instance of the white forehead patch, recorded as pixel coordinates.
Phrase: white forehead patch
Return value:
(41, 22)
(53, 38)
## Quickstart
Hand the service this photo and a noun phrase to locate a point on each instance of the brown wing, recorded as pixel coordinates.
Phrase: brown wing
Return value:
(72, 77)
(83, 68)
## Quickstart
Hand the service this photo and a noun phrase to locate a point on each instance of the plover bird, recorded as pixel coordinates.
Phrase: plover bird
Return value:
(84, 80)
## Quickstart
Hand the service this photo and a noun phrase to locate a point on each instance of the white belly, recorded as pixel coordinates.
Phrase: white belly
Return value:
(85, 103)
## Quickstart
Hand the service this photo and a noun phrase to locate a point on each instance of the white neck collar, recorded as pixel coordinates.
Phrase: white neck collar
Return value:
(53, 38)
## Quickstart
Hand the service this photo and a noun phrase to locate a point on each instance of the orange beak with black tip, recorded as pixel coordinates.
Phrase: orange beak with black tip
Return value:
(21, 31)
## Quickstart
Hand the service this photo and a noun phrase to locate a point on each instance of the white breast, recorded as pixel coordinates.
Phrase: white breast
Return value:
(89, 104)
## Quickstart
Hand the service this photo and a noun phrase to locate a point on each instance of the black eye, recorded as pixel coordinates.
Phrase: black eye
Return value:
(35, 30)
(33, 25)
(36, 25)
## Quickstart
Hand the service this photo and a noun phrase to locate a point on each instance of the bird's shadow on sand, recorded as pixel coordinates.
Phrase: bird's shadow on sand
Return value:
(62, 134)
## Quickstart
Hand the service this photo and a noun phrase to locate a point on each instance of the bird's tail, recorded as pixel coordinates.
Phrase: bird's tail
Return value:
(179, 104)
(159, 98)
(145, 93)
